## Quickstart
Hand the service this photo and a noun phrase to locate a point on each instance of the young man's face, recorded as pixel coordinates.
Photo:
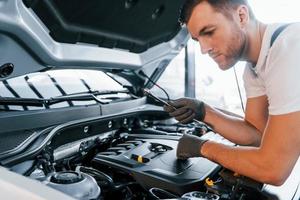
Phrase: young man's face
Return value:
(219, 36)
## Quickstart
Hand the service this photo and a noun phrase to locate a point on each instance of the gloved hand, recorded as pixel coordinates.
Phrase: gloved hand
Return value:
(187, 109)
(189, 146)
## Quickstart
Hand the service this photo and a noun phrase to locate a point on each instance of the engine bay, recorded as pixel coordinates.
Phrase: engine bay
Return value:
(129, 156)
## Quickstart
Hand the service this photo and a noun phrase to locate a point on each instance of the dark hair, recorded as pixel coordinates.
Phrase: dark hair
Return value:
(223, 6)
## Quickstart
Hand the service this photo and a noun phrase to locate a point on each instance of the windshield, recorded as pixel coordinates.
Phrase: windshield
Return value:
(58, 83)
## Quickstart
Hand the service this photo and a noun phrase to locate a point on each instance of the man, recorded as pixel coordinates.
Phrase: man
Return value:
(269, 134)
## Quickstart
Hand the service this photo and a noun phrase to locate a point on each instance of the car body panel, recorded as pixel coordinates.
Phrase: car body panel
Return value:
(24, 34)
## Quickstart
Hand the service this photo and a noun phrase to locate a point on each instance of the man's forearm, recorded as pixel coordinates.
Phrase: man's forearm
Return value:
(232, 128)
(247, 161)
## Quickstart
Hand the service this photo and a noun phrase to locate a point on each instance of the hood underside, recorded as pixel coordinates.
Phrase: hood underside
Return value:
(131, 24)
(128, 35)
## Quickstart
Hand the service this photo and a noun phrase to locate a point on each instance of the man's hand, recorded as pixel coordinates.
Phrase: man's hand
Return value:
(189, 146)
(186, 110)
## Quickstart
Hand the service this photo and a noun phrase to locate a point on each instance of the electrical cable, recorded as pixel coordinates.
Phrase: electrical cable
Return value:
(296, 192)
(151, 81)
(238, 86)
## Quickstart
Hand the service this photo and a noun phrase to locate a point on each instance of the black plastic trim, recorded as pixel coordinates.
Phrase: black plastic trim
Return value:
(59, 130)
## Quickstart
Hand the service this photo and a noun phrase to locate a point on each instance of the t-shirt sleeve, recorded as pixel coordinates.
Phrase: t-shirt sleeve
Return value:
(283, 74)
(252, 83)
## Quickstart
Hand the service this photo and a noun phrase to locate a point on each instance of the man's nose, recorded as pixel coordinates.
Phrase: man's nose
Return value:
(205, 47)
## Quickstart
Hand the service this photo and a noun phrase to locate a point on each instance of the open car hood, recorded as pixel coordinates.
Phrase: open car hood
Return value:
(123, 37)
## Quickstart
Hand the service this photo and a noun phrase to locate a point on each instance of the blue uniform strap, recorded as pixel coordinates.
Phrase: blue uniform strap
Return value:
(277, 32)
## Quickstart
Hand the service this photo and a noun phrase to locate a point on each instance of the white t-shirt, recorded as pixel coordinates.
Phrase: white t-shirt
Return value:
(277, 72)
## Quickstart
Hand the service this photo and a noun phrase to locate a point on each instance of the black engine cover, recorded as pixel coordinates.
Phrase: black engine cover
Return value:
(153, 163)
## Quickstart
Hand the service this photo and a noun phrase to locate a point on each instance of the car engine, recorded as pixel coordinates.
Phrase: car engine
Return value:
(129, 156)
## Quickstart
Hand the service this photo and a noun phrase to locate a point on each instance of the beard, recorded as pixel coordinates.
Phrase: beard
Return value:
(236, 46)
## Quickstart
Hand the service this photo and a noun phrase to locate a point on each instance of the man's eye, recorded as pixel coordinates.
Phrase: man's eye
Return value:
(208, 33)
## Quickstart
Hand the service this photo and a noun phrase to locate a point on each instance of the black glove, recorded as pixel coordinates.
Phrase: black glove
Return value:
(189, 146)
(186, 110)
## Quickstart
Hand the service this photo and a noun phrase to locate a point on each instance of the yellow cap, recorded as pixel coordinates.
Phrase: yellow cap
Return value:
(209, 182)
(140, 159)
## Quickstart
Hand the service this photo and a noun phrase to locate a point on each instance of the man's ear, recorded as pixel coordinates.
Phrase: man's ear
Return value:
(243, 15)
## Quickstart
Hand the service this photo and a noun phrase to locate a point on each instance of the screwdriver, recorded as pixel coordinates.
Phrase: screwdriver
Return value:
(149, 94)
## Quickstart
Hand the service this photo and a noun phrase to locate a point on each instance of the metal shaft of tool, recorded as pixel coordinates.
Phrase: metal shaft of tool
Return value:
(148, 93)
